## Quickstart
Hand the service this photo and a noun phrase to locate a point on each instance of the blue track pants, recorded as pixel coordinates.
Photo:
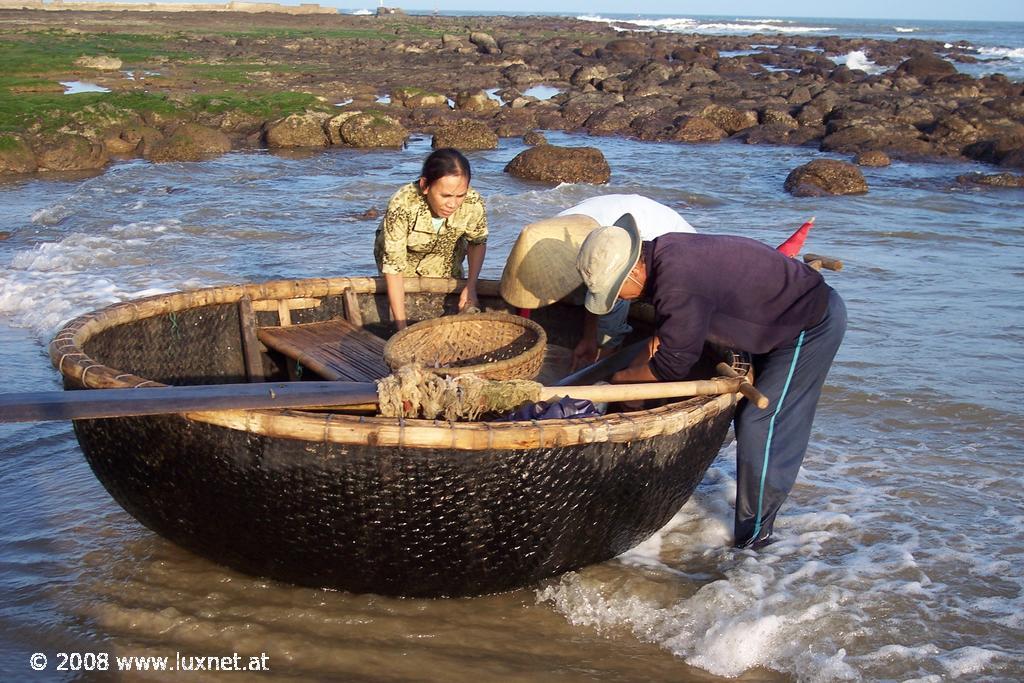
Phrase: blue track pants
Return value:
(771, 443)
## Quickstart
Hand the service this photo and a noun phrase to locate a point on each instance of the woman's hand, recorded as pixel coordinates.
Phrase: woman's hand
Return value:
(468, 302)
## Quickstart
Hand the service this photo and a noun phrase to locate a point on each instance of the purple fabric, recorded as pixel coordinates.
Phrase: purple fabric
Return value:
(732, 290)
(558, 410)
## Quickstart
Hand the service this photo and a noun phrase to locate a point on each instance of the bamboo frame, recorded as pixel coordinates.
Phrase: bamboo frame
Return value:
(82, 371)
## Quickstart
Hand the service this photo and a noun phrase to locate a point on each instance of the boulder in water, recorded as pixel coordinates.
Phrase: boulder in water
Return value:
(825, 177)
(555, 164)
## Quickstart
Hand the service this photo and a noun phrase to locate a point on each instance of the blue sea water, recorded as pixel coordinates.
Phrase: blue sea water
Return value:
(998, 45)
(900, 554)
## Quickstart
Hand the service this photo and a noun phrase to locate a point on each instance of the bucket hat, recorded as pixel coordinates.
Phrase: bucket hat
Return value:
(541, 269)
(607, 256)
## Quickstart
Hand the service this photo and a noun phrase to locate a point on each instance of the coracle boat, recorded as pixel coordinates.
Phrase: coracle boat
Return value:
(363, 503)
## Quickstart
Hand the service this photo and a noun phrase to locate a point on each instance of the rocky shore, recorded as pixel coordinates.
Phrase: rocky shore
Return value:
(183, 87)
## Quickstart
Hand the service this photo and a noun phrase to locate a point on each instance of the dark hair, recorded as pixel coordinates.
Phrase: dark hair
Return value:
(442, 162)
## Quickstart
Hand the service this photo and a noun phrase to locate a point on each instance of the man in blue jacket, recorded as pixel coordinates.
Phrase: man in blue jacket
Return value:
(745, 295)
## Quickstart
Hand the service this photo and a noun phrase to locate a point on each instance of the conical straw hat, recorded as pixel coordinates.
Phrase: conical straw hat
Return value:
(542, 266)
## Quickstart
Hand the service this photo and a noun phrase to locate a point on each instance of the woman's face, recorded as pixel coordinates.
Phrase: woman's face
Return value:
(445, 195)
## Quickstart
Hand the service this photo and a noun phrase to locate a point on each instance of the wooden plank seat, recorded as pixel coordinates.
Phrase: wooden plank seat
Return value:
(335, 349)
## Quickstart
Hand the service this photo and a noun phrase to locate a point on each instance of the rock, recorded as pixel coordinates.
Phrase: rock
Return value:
(591, 73)
(132, 139)
(1009, 180)
(872, 158)
(623, 48)
(535, 137)
(413, 98)
(766, 134)
(475, 100)
(103, 63)
(16, 155)
(189, 142)
(580, 108)
(697, 129)
(5, 235)
(298, 130)
(729, 119)
(561, 165)
(369, 215)
(450, 42)
(465, 134)
(69, 152)
(825, 177)
(485, 43)
(778, 117)
(924, 65)
(372, 129)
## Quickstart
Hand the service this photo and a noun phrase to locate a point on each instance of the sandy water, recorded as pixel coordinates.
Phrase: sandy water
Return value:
(901, 548)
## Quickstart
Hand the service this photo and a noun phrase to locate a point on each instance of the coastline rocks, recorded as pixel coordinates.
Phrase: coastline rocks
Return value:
(534, 138)
(553, 164)
(297, 130)
(923, 66)
(875, 158)
(825, 177)
(415, 98)
(126, 141)
(696, 129)
(485, 43)
(102, 63)
(69, 152)
(622, 49)
(465, 134)
(371, 129)
(1008, 180)
(189, 142)
(16, 156)
(729, 119)
(475, 100)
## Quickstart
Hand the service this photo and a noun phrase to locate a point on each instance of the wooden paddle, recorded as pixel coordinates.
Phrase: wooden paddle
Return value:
(101, 403)
(745, 387)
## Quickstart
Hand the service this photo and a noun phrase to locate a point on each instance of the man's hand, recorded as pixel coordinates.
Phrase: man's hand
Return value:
(585, 352)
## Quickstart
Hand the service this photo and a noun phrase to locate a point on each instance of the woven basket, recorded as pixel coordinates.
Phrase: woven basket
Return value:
(490, 345)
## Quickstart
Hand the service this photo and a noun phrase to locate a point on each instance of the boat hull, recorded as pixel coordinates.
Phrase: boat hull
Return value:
(362, 503)
(400, 521)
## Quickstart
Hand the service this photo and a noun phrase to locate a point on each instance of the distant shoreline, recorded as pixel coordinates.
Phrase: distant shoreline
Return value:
(248, 80)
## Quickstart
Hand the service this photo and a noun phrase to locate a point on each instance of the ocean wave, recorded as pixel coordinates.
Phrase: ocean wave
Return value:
(362, 12)
(903, 29)
(1002, 52)
(683, 24)
(857, 59)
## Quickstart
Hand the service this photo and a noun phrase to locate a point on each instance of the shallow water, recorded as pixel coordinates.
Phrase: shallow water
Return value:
(900, 555)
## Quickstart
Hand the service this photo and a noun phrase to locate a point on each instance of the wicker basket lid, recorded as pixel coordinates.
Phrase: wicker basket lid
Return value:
(493, 345)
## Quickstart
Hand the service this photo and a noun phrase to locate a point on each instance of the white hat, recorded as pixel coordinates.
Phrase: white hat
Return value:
(541, 269)
(605, 260)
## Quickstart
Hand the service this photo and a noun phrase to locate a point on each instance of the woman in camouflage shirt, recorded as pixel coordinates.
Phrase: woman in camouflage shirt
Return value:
(429, 227)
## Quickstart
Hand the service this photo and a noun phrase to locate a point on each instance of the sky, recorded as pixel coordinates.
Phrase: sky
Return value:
(979, 10)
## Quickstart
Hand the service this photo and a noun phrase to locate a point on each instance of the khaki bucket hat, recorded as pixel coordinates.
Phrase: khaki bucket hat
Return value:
(542, 266)
(605, 260)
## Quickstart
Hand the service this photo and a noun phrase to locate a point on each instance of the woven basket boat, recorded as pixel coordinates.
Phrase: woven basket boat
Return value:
(371, 504)
(492, 345)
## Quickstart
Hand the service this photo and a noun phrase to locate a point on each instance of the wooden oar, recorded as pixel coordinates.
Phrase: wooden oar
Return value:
(745, 387)
(93, 403)
(101, 403)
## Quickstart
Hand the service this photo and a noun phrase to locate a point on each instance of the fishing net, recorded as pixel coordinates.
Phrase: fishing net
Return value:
(414, 391)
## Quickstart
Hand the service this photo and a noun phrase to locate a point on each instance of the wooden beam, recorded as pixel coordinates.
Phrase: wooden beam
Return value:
(251, 352)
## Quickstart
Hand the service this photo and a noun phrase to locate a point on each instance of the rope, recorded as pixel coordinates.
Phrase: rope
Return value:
(413, 391)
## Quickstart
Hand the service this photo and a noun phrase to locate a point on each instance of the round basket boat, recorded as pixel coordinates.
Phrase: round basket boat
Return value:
(363, 503)
(490, 345)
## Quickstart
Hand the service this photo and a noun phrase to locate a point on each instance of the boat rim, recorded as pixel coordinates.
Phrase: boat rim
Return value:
(67, 355)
